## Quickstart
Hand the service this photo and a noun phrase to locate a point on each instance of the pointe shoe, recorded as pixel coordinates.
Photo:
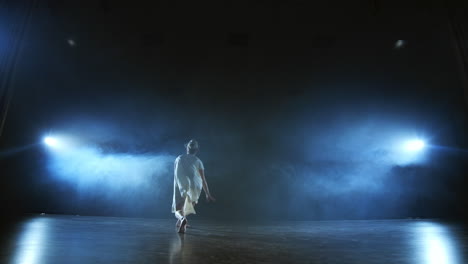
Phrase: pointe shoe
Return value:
(182, 226)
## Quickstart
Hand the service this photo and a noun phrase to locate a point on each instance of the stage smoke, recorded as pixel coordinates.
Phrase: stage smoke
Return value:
(90, 168)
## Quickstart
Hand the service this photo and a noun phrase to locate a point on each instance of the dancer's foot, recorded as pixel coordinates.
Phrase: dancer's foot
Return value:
(178, 224)
(182, 226)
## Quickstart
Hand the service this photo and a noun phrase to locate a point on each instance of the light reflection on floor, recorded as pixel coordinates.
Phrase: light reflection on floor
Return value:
(70, 239)
(31, 242)
(437, 244)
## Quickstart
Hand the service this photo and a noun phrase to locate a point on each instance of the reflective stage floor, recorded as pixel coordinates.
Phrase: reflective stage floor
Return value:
(78, 239)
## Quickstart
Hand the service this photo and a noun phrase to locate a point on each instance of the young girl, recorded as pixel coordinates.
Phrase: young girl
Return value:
(189, 180)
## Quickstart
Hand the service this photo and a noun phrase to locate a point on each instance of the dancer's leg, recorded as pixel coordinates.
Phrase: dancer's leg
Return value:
(179, 213)
(181, 220)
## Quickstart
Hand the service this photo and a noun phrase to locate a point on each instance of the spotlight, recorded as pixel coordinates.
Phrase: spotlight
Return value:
(415, 145)
(71, 42)
(400, 44)
(51, 142)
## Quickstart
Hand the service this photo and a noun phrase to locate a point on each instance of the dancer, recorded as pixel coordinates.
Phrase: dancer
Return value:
(189, 180)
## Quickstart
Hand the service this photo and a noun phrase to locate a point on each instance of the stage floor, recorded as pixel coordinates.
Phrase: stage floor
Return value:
(77, 239)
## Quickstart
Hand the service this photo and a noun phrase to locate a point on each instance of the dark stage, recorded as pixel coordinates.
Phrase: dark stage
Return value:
(342, 113)
(79, 239)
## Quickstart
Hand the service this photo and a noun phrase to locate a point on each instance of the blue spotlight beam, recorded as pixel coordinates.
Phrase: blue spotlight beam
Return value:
(50, 141)
(12, 151)
(415, 145)
(450, 149)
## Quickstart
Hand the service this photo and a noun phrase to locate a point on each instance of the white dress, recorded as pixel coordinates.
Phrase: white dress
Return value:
(187, 182)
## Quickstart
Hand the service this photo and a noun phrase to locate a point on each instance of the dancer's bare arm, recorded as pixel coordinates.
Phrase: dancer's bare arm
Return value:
(205, 187)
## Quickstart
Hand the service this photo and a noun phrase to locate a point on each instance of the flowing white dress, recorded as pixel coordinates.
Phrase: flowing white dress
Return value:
(187, 182)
